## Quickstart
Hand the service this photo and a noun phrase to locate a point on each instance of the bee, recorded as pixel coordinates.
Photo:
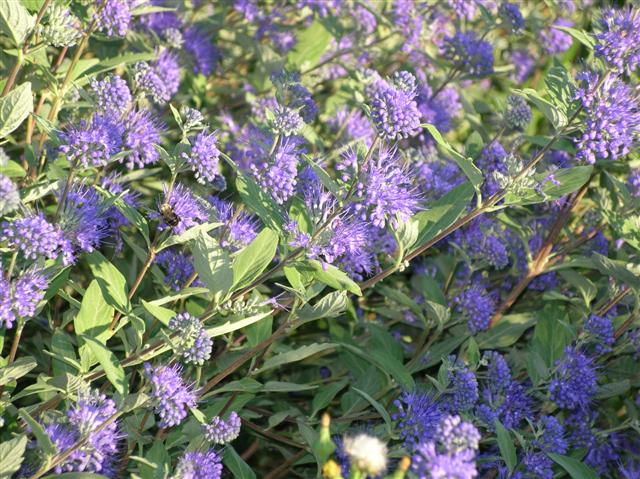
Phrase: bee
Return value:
(169, 216)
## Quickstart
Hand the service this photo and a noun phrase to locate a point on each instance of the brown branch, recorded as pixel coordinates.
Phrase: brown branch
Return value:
(539, 263)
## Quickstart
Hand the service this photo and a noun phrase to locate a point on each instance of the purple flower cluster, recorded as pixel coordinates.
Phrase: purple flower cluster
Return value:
(113, 17)
(112, 94)
(451, 455)
(556, 41)
(240, 228)
(193, 342)
(203, 157)
(92, 143)
(158, 80)
(511, 16)
(9, 196)
(618, 41)
(612, 123)
(463, 388)
(86, 420)
(600, 329)
(221, 431)
(278, 174)
(20, 298)
(517, 115)
(178, 268)
(394, 110)
(575, 381)
(142, 134)
(170, 396)
(478, 306)
(385, 192)
(418, 416)
(351, 125)
(33, 236)
(204, 54)
(199, 465)
(469, 54)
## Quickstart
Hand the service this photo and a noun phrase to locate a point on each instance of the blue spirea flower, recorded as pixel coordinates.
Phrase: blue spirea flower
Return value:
(205, 56)
(178, 269)
(20, 298)
(160, 22)
(278, 175)
(556, 41)
(221, 431)
(9, 195)
(601, 330)
(517, 116)
(286, 121)
(92, 143)
(101, 450)
(394, 110)
(113, 17)
(483, 240)
(463, 388)
(618, 41)
(33, 236)
(436, 176)
(441, 109)
(501, 396)
(170, 396)
(612, 120)
(463, 8)
(351, 125)
(322, 7)
(418, 417)
(142, 133)
(385, 191)
(112, 94)
(511, 17)
(193, 342)
(451, 455)
(408, 20)
(199, 465)
(180, 210)
(160, 79)
(203, 157)
(478, 306)
(492, 159)
(524, 64)
(601, 447)
(574, 382)
(553, 435)
(538, 465)
(292, 94)
(240, 228)
(83, 219)
(114, 217)
(469, 54)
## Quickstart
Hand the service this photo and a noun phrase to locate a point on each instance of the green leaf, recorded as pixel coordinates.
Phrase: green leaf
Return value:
(236, 464)
(254, 258)
(324, 177)
(617, 269)
(580, 35)
(64, 353)
(551, 112)
(12, 170)
(325, 395)
(378, 407)
(12, 455)
(443, 212)
(212, 264)
(134, 217)
(15, 106)
(330, 306)
(93, 319)
(551, 335)
(575, 468)
(44, 441)
(186, 236)
(331, 276)
(231, 326)
(466, 164)
(505, 443)
(560, 87)
(17, 369)
(294, 355)
(569, 179)
(386, 363)
(259, 202)
(506, 332)
(16, 22)
(285, 387)
(310, 46)
(109, 362)
(112, 282)
(163, 315)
